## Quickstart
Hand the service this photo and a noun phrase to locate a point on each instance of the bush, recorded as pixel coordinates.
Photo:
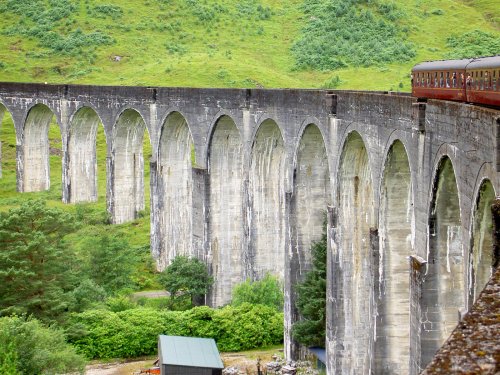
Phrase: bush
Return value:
(134, 332)
(268, 292)
(473, 44)
(28, 347)
(343, 33)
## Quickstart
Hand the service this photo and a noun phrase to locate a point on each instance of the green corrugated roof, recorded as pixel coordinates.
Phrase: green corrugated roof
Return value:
(189, 351)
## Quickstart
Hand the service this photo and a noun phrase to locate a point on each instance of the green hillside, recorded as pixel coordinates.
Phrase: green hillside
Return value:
(356, 44)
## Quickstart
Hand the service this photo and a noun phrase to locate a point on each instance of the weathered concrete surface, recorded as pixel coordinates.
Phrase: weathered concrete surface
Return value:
(474, 346)
(225, 232)
(392, 347)
(82, 155)
(240, 178)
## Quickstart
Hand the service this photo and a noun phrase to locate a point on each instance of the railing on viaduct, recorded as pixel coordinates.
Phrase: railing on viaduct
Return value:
(244, 178)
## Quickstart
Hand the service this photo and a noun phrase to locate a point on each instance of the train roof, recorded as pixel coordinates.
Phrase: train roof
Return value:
(477, 63)
(485, 62)
(442, 65)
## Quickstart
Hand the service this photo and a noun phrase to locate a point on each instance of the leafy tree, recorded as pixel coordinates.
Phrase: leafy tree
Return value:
(112, 263)
(37, 270)
(28, 347)
(311, 299)
(186, 277)
(268, 292)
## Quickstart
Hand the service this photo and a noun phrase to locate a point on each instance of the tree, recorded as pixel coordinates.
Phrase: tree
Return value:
(37, 270)
(267, 291)
(311, 299)
(112, 263)
(186, 277)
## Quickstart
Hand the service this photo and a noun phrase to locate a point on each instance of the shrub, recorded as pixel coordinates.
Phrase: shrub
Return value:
(134, 332)
(344, 33)
(28, 347)
(473, 44)
(268, 292)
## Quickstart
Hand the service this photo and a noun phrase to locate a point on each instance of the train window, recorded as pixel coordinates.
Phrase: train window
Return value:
(486, 81)
(494, 81)
(481, 82)
(436, 79)
(441, 80)
(454, 79)
(428, 80)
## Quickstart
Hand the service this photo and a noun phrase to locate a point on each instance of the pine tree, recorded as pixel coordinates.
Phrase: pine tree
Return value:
(37, 272)
(311, 299)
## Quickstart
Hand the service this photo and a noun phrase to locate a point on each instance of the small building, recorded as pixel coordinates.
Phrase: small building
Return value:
(188, 356)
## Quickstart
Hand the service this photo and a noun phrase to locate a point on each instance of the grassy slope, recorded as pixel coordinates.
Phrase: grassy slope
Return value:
(232, 52)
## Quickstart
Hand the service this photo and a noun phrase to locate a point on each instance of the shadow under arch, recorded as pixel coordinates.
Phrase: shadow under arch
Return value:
(82, 151)
(482, 259)
(266, 252)
(396, 217)
(444, 281)
(226, 236)
(176, 159)
(36, 149)
(353, 311)
(127, 167)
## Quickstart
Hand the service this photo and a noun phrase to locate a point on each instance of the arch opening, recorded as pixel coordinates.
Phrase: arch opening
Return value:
(392, 347)
(443, 285)
(83, 158)
(482, 257)
(128, 167)
(226, 210)
(175, 168)
(355, 197)
(266, 195)
(42, 147)
(312, 193)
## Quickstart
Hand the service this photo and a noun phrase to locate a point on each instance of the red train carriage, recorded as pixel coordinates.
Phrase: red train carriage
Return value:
(468, 80)
(484, 82)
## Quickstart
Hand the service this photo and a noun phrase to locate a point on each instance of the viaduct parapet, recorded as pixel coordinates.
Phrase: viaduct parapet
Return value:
(244, 179)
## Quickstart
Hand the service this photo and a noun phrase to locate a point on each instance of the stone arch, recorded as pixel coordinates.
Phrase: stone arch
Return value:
(127, 166)
(83, 155)
(355, 322)
(311, 192)
(444, 282)
(175, 174)
(396, 219)
(482, 257)
(226, 208)
(266, 202)
(36, 149)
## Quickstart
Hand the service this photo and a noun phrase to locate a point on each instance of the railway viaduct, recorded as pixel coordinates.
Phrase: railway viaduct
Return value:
(244, 180)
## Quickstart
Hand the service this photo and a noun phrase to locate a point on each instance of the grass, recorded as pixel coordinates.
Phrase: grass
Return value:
(221, 44)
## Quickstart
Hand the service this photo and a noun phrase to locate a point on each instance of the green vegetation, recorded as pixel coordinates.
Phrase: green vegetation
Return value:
(28, 347)
(37, 272)
(268, 292)
(311, 299)
(343, 33)
(186, 278)
(473, 43)
(134, 332)
(224, 43)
